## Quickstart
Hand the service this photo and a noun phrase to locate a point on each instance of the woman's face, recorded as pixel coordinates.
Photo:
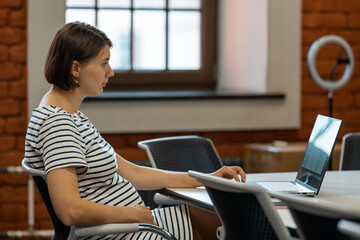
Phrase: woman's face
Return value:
(94, 75)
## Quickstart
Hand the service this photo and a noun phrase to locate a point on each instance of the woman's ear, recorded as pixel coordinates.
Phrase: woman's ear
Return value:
(75, 68)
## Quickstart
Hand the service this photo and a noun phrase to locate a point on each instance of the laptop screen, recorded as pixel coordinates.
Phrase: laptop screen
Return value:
(318, 151)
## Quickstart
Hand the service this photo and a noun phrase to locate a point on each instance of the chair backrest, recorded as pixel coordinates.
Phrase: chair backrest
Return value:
(245, 211)
(182, 153)
(318, 220)
(39, 176)
(350, 152)
(63, 232)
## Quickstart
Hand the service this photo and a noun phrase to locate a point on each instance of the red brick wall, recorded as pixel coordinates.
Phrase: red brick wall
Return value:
(320, 17)
(13, 115)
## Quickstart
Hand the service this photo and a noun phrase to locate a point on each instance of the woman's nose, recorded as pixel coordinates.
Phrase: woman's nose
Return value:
(111, 73)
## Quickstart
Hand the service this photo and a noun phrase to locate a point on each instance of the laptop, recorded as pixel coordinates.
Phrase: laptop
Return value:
(314, 163)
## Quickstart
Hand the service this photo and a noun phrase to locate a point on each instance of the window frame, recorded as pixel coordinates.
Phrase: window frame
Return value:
(202, 79)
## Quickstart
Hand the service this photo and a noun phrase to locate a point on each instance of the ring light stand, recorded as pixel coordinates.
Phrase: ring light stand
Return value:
(331, 85)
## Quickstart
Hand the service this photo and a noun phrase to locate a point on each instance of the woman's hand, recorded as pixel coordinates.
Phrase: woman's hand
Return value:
(231, 173)
(143, 214)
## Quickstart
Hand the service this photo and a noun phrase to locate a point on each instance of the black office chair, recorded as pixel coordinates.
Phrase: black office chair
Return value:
(245, 211)
(182, 153)
(318, 220)
(63, 232)
(350, 152)
(349, 228)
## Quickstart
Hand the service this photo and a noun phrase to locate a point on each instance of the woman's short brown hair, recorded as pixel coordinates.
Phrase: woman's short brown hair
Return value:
(73, 42)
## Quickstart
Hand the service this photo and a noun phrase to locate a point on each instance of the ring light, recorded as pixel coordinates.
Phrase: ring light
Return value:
(311, 57)
(331, 86)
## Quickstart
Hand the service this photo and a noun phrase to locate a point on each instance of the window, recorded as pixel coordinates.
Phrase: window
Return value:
(158, 44)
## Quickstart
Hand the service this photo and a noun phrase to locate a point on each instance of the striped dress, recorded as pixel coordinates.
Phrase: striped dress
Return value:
(57, 139)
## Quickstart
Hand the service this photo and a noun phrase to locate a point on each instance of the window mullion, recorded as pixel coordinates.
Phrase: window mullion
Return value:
(167, 36)
(132, 35)
(96, 12)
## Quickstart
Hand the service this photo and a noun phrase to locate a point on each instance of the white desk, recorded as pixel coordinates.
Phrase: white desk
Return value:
(339, 187)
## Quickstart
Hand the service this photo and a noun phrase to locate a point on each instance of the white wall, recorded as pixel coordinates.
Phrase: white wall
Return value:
(45, 17)
(280, 58)
(243, 45)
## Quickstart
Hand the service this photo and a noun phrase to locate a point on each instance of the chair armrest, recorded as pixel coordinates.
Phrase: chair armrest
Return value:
(164, 200)
(117, 228)
(349, 228)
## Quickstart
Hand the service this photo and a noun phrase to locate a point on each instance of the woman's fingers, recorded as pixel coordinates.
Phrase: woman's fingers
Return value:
(240, 172)
(231, 173)
(144, 214)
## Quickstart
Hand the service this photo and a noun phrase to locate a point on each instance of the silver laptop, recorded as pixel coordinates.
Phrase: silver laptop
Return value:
(314, 163)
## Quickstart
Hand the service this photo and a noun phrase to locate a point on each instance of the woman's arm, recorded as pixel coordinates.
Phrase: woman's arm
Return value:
(72, 210)
(145, 178)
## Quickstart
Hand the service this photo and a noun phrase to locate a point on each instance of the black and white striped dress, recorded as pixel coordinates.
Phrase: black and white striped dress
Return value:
(57, 139)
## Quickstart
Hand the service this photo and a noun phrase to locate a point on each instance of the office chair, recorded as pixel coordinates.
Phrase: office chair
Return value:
(182, 153)
(245, 211)
(63, 232)
(350, 152)
(317, 220)
(349, 228)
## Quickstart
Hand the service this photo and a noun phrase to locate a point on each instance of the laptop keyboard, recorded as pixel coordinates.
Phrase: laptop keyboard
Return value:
(279, 186)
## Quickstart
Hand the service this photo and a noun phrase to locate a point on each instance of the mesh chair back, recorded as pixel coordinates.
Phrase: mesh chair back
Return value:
(182, 153)
(313, 227)
(246, 212)
(241, 215)
(350, 152)
(318, 220)
(61, 231)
